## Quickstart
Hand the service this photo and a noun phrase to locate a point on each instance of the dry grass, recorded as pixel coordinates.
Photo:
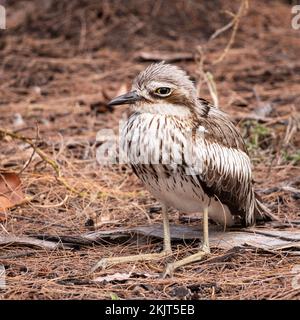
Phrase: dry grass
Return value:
(71, 56)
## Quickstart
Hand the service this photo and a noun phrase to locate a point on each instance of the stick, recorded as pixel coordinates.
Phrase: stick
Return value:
(31, 242)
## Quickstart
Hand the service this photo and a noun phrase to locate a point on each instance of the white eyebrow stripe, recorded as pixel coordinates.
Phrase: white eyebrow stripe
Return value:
(158, 84)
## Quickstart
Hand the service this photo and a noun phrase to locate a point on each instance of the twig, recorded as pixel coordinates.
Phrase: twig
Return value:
(38, 221)
(221, 30)
(212, 88)
(18, 255)
(200, 58)
(31, 242)
(207, 76)
(56, 167)
(235, 24)
(43, 156)
(32, 155)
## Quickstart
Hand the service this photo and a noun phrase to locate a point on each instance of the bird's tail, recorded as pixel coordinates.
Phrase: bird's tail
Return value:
(262, 213)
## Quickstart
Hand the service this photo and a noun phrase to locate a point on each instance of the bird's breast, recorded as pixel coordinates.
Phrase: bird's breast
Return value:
(160, 151)
(156, 139)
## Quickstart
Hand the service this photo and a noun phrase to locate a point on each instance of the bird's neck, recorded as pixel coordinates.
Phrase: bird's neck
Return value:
(163, 109)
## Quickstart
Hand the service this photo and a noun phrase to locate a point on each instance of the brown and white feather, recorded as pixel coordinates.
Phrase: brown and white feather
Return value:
(158, 137)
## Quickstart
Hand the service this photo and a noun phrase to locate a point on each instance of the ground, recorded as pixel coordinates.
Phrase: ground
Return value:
(61, 62)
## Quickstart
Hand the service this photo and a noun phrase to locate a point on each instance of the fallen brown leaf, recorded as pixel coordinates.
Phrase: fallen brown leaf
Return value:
(11, 192)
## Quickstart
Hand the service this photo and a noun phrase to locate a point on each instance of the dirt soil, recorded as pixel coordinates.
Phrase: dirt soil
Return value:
(61, 62)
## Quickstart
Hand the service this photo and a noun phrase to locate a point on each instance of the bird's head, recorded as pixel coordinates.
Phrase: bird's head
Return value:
(161, 89)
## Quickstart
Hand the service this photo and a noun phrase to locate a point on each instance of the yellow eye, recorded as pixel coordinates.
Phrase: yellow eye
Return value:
(163, 91)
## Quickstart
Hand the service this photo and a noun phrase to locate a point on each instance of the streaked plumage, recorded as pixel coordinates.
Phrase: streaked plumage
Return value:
(222, 179)
(188, 154)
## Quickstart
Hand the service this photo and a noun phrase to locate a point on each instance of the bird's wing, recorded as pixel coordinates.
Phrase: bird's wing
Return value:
(225, 171)
(219, 127)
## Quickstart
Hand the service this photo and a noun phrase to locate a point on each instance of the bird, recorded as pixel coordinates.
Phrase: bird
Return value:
(189, 155)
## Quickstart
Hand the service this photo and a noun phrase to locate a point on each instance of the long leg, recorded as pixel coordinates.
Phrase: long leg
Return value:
(204, 250)
(142, 257)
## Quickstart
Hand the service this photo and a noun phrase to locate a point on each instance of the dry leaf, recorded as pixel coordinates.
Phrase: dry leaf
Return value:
(10, 192)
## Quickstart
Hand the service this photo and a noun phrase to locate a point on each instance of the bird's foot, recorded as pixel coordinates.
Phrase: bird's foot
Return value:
(105, 262)
(171, 267)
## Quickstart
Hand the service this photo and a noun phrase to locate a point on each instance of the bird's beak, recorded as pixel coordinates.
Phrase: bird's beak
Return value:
(127, 98)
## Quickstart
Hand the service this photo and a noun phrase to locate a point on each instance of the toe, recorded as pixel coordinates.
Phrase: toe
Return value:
(168, 271)
(100, 264)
